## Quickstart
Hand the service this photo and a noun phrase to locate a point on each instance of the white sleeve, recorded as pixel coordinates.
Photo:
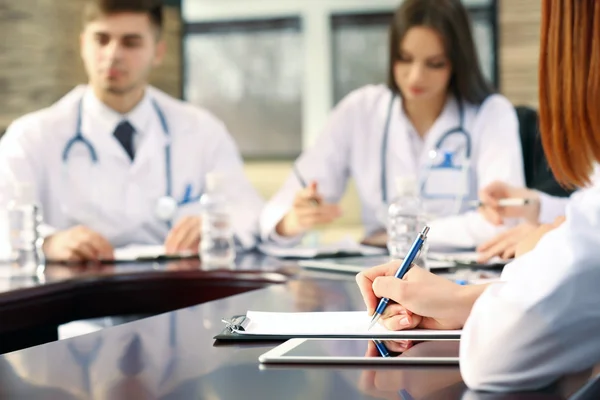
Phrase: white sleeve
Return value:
(247, 203)
(543, 321)
(20, 163)
(551, 207)
(326, 162)
(499, 158)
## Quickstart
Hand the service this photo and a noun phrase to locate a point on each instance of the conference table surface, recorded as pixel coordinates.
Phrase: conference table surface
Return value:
(32, 307)
(174, 356)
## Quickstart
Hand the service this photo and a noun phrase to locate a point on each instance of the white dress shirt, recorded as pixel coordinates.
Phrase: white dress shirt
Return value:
(118, 197)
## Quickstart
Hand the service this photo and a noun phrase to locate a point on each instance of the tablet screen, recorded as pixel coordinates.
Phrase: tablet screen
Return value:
(342, 348)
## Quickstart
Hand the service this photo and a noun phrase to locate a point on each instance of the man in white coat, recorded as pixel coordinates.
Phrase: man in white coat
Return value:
(118, 162)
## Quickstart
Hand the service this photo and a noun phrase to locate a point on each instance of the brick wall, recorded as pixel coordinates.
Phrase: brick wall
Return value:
(519, 48)
(39, 54)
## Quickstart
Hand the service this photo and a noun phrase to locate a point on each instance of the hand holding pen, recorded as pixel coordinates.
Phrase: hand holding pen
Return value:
(308, 210)
(402, 270)
(500, 200)
(419, 300)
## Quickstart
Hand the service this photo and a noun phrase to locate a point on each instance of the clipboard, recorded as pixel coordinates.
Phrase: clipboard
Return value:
(236, 326)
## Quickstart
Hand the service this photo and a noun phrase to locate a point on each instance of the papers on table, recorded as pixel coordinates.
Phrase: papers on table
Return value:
(136, 251)
(345, 247)
(328, 324)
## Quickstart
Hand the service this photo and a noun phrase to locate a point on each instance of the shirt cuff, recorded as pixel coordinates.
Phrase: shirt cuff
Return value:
(284, 241)
(551, 207)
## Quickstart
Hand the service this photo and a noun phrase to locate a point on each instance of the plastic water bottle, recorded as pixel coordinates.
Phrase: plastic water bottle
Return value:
(217, 248)
(405, 221)
(24, 219)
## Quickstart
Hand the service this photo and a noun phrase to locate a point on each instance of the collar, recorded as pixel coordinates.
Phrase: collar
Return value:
(450, 112)
(106, 119)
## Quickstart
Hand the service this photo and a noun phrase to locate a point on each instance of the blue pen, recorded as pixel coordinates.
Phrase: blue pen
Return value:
(381, 348)
(404, 267)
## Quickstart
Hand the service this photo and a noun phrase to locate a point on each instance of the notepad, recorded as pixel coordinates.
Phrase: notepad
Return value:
(133, 252)
(343, 247)
(327, 324)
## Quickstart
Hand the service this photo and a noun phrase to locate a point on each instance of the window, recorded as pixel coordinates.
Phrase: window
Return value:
(249, 73)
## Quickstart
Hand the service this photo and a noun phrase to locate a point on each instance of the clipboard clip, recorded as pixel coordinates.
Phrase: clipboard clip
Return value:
(236, 324)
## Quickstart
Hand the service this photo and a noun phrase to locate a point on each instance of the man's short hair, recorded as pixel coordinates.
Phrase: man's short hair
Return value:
(97, 8)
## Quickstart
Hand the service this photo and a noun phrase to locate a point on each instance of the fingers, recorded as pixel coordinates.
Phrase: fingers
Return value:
(184, 236)
(401, 321)
(371, 350)
(316, 215)
(104, 250)
(493, 192)
(506, 246)
(392, 288)
(90, 245)
(308, 196)
(312, 188)
(398, 346)
(491, 214)
(489, 196)
(365, 285)
(84, 251)
(365, 282)
(509, 252)
(511, 236)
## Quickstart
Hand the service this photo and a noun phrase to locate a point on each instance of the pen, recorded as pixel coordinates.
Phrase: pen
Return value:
(404, 267)
(303, 183)
(508, 202)
(383, 351)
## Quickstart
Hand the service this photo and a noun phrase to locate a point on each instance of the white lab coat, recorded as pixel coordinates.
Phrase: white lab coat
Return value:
(542, 321)
(552, 207)
(351, 145)
(117, 197)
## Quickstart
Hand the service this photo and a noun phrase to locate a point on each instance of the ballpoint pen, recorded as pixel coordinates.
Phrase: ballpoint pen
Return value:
(303, 183)
(507, 202)
(404, 267)
(383, 351)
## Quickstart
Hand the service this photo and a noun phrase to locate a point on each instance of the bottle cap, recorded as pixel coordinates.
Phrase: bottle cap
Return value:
(406, 185)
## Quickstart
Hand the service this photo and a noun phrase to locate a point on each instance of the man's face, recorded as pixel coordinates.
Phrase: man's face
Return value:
(119, 51)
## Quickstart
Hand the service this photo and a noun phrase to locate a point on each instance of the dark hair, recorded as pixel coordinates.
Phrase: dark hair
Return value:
(153, 8)
(569, 84)
(450, 19)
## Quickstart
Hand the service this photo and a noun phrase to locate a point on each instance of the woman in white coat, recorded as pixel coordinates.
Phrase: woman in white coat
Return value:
(379, 133)
(542, 320)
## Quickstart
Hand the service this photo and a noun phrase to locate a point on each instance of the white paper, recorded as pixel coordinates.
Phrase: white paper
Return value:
(343, 246)
(133, 252)
(351, 323)
(461, 257)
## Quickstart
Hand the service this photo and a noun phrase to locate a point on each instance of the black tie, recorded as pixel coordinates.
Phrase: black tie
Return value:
(124, 134)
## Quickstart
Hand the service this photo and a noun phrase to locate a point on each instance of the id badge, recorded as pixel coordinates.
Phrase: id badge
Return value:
(445, 182)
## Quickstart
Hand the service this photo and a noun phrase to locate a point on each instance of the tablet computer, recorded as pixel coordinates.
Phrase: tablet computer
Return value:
(362, 351)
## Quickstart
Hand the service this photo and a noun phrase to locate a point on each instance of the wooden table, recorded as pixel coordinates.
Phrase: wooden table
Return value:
(174, 356)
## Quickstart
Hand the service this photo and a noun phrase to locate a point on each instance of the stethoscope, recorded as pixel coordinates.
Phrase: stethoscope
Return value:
(447, 161)
(166, 205)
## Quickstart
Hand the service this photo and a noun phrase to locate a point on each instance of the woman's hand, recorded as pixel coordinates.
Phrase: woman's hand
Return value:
(308, 211)
(505, 244)
(422, 299)
(496, 191)
(529, 242)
